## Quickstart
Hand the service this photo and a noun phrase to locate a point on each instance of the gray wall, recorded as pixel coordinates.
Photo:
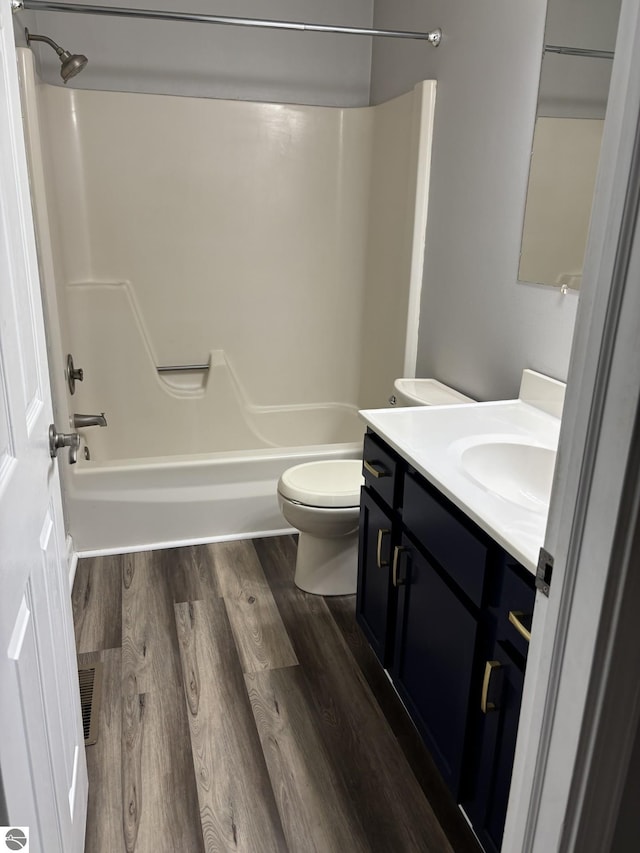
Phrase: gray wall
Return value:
(217, 61)
(478, 327)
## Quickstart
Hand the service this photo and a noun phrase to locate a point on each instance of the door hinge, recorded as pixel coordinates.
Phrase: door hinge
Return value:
(544, 571)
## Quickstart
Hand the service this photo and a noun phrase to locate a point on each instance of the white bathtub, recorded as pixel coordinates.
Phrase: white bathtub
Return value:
(156, 503)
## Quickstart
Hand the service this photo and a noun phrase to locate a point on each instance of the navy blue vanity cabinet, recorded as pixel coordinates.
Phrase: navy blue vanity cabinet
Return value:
(379, 532)
(493, 719)
(448, 612)
(432, 667)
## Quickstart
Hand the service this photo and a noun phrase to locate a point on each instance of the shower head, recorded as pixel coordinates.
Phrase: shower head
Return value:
(72, 63)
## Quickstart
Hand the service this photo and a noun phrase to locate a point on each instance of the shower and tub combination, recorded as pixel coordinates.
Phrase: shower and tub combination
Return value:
(234, 279)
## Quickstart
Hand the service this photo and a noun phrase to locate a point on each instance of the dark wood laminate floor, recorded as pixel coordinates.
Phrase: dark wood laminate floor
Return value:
(241, 714)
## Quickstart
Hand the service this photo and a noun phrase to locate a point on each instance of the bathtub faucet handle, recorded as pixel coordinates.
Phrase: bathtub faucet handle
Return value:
(82, 421)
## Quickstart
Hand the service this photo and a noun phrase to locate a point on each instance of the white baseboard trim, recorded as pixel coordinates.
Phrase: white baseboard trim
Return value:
(181, 543)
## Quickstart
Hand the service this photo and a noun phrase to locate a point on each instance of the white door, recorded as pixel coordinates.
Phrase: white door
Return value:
(42, 759)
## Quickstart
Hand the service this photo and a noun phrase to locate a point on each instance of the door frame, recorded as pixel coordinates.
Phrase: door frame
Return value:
(581, 703)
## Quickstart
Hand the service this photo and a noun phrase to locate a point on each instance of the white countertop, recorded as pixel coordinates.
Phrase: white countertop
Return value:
(434, 439)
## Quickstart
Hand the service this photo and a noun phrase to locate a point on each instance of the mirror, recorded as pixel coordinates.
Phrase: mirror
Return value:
(574, 84)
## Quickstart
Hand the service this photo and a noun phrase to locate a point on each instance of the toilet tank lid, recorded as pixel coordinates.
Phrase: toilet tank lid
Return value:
(430, 392)
(325, 483)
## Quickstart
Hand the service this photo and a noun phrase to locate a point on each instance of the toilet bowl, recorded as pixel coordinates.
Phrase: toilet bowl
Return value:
(322, 500)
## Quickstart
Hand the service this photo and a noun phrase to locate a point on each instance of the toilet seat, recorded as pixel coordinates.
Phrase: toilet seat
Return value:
(326, 483)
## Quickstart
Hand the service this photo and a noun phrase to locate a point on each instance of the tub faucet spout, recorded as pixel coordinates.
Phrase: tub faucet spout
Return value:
(80, 421)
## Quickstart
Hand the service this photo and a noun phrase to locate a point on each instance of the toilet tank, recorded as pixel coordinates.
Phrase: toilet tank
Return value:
(426, 392)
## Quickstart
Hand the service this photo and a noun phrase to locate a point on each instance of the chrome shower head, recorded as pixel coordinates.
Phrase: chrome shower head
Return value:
(72, 63)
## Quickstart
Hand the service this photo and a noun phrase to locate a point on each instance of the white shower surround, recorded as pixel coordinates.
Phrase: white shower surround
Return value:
(280, 244)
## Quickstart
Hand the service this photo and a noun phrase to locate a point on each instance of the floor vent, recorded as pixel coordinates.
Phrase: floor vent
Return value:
(90, 678)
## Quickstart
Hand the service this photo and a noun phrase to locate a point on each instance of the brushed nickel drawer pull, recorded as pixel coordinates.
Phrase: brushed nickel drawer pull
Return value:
(514, 618)
(382, 532)
(396, 556)
(376, 472)
(489, 667)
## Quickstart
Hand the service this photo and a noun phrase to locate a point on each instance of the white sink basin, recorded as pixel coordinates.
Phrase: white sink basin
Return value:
(519, 473)
(494, 460)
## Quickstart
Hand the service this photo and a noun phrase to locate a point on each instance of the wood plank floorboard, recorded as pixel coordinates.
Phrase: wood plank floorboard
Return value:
(260, 635)
(150, 655)
(231, 724)
(237, 805)
(364, 749)
(314, 806)
(159, 795)
(190, 573)
(156, 750)
(96, 602)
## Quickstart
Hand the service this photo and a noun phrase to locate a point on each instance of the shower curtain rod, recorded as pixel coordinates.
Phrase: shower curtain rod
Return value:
(433, 37)
(578, 51)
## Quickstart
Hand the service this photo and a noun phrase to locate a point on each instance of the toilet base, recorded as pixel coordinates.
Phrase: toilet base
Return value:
(327, 566)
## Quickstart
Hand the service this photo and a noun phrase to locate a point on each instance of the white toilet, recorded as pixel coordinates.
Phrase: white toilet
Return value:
(426, 392)
(322, 500)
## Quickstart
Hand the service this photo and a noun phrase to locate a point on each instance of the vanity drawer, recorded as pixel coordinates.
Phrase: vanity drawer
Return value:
(516, 606)
(446, 535)
(379, 467)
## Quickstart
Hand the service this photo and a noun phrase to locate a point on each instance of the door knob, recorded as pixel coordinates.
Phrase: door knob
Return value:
(61, 439)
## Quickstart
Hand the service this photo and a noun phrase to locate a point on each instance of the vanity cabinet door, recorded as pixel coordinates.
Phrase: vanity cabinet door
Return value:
(494, 721)
(433, 660)
(498, 724)
(375, 603)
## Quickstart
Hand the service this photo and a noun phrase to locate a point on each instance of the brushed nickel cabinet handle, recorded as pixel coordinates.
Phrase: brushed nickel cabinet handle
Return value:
(376, 472)
(514, 618)
(489, 667)
(396, 556)
(382, 532)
